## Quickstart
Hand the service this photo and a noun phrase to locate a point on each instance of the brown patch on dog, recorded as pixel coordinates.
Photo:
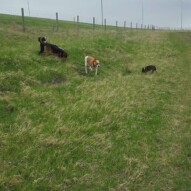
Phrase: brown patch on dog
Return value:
(92, 61)
(47, 50)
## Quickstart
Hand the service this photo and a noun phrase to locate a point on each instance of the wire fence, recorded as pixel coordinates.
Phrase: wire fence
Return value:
(56, 24)
(77, 24)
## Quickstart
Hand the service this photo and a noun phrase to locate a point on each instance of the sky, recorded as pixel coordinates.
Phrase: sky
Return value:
(160, 13)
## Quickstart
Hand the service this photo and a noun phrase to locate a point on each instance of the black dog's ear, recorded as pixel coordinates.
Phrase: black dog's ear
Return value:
(43, 38)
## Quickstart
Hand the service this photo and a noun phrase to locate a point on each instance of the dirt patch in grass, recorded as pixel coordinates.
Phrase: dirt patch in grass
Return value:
(51, 78)
(55, 80)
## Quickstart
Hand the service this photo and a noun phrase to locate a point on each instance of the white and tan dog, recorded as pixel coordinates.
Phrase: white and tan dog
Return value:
(91, 63)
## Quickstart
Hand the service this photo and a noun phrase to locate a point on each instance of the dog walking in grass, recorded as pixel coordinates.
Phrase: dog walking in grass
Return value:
(91, 63)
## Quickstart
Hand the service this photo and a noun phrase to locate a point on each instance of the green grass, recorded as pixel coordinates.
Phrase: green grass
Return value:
(121, 130)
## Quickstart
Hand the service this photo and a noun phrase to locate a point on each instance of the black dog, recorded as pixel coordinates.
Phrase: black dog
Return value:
(151, 68)
(48, 48)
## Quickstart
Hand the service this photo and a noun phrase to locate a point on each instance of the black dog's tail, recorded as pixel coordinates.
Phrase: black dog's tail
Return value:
(63, 54)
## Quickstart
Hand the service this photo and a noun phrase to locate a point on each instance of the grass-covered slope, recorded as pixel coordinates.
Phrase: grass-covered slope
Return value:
(121, 130)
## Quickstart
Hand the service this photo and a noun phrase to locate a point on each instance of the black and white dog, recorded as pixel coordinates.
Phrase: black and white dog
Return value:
(48, 48)
(151, 68)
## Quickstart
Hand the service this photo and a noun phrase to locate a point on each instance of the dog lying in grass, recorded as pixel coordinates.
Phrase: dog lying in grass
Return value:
(48, 48)
(91, 63)
(151, 68)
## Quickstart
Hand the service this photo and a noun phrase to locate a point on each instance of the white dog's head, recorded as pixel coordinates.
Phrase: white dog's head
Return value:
(97, 63)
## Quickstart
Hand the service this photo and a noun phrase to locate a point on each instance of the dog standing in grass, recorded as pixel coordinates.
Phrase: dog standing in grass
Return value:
(151, 68)
(91, 63)
(48, 48)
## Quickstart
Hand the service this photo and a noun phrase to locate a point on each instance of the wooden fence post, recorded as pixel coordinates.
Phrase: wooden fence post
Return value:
(93, 23)
(124, 24)
(105, 24)
(23, 18)
(78, 23)
(56, 22)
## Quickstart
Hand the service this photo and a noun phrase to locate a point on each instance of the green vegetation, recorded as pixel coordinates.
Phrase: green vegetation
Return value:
(121, 130)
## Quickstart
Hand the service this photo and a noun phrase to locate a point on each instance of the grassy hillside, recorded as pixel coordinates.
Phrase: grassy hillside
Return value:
(121, 130)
